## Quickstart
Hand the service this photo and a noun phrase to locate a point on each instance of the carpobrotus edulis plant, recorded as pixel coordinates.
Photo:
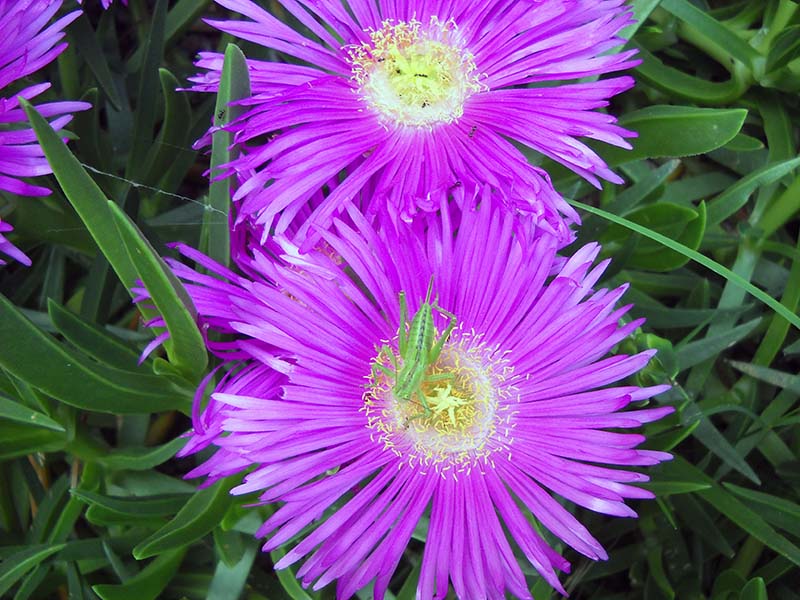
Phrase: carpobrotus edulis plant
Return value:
(413, 100)
(387, 373)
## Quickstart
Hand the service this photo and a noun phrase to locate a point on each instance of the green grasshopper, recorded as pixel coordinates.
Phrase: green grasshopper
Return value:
(417, 349)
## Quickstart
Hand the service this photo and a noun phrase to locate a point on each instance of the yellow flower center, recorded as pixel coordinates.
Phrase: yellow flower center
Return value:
(463, 416)
(415, 75)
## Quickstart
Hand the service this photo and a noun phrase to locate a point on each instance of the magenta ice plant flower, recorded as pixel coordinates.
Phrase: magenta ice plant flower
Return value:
(10, 250)
(523, 404)
(106, 3)
(393, 105)
(28, 42)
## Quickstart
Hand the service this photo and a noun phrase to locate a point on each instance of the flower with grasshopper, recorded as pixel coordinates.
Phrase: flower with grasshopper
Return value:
(390, 374)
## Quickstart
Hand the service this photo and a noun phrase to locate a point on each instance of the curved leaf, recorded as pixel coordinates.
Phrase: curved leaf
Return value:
(185, 346)
(699, 258)
(63, 373)
(234, 85)
(148, 583)
(13, 568)
(706, 129)
(84, 194)
(199, 515)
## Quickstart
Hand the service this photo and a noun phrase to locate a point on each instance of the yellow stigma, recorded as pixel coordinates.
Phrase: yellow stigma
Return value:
(447, 405)
(469, 394)
(415, 75)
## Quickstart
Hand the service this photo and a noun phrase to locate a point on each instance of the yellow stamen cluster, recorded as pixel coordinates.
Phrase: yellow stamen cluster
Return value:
(415, 75)
(469, 408)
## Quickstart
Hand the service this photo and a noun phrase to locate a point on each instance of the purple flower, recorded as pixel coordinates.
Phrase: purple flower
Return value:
(411, 100)
(514, 411)
(9, 249)
(27, 44)
(106, 3)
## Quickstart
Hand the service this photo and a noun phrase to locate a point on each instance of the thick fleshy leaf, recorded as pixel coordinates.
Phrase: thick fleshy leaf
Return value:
(234, 85)
(707, 129)
(141, 458)
(92, 340)
(288, 579)
(15, 567)
(185, 346)
(14, 411)
(174, 130)
(147, 94)
(755, 589)
(199, 515)
(83, 38)
(127, 509)
(84, 194)
(733, 509)
(785, 48)
(680, 223)
(148, 583)
(713, 30)
(696, 352)
(75, 379)
(699, 258)
(229, 581)
(736, 196)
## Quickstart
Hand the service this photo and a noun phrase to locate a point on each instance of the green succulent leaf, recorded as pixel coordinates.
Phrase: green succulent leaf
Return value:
(199, 516)
(234, 85)
(88, 200)
(75, 379)
(185, 346)
(14, 411)
(16, 566)
(702, 130)
(148, 583)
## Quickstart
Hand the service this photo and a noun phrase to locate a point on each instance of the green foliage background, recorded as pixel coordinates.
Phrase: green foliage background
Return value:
(92, 500)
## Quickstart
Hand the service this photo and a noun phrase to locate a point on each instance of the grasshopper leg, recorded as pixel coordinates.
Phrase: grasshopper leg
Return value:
(379, 368)
(436, 350)
(402, 335)
(425, 406)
